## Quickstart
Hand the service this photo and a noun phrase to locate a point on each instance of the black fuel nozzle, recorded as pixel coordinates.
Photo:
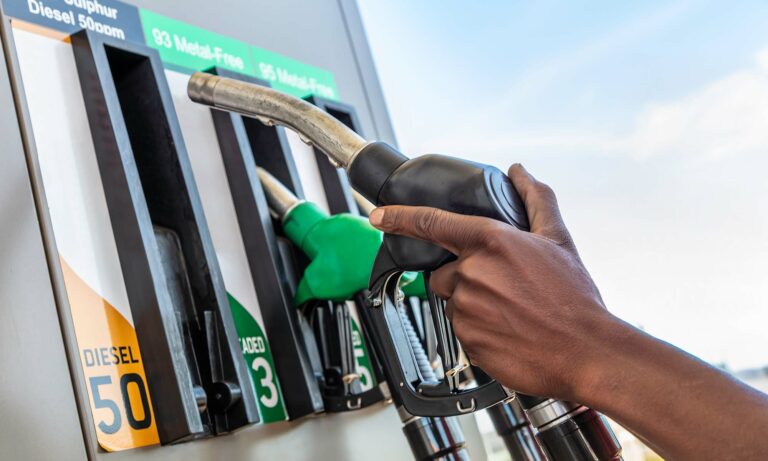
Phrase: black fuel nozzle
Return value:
(385, 176)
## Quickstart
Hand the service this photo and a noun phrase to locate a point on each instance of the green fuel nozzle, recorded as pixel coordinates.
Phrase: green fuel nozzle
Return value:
(342, 247)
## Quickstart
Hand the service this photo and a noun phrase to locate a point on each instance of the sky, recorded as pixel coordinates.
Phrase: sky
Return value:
(650, 121)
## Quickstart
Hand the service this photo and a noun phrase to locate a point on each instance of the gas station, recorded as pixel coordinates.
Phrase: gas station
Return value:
(189, 272)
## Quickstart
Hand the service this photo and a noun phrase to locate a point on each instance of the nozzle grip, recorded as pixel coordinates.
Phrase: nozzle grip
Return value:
(438, 181)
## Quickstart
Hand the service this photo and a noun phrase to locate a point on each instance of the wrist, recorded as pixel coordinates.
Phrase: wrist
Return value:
(608, 351)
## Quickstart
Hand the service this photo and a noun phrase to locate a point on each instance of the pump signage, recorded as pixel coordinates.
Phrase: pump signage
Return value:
(181, 46)
(108, 17)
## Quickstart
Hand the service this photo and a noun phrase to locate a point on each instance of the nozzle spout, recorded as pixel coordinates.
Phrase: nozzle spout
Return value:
(313, 125)
(279, 198)
(363, 203)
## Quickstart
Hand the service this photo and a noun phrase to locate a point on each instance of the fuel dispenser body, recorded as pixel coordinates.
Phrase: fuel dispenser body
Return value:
(142, 244)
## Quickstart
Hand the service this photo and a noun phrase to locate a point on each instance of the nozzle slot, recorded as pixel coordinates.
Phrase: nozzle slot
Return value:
(245, 143)
(170, 270)
(335, 341)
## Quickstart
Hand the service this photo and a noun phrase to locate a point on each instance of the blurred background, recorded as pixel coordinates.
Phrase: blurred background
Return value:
(650, 121)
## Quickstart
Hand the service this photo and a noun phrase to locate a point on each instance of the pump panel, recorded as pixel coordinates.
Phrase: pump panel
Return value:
(223, 162)
(197, 377)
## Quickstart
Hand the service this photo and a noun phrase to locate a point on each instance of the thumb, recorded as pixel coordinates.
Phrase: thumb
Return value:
(541, 206)
(452, 231)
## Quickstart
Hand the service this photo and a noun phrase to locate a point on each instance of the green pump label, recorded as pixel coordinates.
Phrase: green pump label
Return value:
(191, 47)
(258, 357)
(364, 366)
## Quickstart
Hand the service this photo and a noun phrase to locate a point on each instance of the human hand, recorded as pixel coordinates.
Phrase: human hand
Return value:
(522, 303)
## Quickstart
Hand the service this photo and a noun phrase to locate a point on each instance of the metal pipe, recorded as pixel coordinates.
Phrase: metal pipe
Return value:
(279, 198)
(363, 203)
(313, 125)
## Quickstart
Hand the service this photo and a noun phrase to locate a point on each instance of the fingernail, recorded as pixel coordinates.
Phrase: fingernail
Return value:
(376, 216)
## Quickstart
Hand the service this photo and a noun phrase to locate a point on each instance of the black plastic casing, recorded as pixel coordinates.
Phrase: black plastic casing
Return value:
(386, 177)
(584, 437)
(245, 143)
(434, 439)
(514, 430)
(183, 321)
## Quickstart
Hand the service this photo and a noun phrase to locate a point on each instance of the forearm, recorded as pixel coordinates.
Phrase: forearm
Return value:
(685, 408)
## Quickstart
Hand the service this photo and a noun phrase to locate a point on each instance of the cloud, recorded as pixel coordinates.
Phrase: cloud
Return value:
(729, 117)
(540, 76)
(726, 118)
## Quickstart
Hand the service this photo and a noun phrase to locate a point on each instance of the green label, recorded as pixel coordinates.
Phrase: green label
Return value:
(192, 47)
(364, 367)
(259, 360)
(293, 77)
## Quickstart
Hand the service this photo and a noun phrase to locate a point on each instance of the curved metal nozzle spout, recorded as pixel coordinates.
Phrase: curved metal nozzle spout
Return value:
(365, 206)
(279, 198)
(313, 125)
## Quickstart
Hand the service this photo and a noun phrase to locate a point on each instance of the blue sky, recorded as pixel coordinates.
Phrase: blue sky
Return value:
(650, 120)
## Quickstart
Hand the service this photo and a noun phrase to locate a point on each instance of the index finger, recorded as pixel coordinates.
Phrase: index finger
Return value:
(452, 231)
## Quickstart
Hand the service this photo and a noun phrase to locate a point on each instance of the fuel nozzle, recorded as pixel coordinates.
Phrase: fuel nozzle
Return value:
(341, 249)
(379, 172)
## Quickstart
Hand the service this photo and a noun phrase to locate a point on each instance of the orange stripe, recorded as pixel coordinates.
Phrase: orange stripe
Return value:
(100, 326)
(40, 30)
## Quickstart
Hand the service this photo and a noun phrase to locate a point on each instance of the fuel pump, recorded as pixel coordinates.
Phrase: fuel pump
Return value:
(385, 176)
(342, 249)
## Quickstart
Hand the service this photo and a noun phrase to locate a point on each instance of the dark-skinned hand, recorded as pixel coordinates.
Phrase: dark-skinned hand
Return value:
(522, 303)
